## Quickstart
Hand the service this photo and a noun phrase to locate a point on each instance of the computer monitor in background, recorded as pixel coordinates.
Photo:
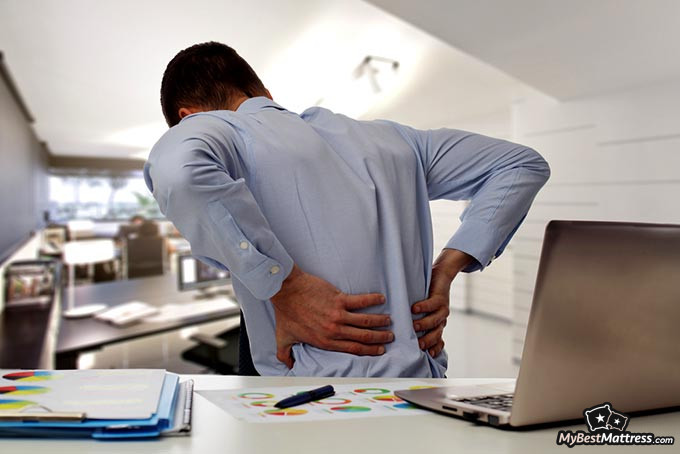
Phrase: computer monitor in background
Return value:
(196, 275)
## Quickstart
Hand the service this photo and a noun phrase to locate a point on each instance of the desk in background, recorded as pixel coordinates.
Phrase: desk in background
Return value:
(78, 336)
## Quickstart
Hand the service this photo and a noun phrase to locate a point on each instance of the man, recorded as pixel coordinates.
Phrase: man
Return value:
(324, 221)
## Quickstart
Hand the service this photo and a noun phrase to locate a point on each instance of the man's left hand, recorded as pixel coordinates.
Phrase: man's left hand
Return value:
(436, 306)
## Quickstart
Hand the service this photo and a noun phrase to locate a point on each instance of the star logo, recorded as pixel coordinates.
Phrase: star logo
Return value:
(597, 417)
(617, 420)
(604, 417)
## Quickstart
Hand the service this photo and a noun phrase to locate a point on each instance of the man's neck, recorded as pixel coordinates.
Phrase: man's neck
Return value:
(235, 105)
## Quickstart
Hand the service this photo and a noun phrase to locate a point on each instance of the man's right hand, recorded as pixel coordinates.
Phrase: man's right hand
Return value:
(311, 310)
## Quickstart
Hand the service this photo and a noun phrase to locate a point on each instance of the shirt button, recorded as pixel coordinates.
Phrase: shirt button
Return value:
(243, 245)
(274, 269)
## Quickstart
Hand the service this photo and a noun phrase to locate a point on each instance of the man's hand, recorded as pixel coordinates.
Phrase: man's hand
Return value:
(436, 306)
(310, 310)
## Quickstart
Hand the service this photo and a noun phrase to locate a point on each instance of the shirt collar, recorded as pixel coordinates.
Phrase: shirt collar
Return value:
(252, 105)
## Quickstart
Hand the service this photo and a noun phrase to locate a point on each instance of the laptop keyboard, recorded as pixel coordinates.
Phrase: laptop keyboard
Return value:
(502, 402)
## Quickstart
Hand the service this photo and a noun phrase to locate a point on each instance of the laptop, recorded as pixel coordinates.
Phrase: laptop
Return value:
(604, 326)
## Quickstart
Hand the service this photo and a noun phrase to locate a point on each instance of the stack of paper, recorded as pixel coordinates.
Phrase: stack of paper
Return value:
(350, 401)
(94, 403)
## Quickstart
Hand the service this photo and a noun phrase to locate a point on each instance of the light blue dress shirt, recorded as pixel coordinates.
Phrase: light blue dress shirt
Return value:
(261, 188)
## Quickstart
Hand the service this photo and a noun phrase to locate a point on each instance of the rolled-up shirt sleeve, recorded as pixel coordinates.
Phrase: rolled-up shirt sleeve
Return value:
(499, 178)
(198, 181)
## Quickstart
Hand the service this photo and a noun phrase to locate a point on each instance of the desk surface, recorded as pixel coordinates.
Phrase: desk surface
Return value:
(215, 431)
(78, 335)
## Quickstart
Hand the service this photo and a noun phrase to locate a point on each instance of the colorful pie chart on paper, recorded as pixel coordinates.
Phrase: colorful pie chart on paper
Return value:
(389, 398)
(405, 406)
(263, 403)
(351, 409)
(333, 401)
(22, 390)
(285, 412)
(14, 404)
(372, 391)
(259, 396)
(36, 375)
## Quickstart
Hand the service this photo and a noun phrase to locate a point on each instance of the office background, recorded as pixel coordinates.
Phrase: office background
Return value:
(592, 85)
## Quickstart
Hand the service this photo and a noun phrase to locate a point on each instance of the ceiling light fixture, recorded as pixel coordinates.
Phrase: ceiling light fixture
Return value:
(369, 81)
(371, 70)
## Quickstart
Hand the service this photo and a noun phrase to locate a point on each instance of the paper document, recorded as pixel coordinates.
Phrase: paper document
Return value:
(349, 402)
(100, 394)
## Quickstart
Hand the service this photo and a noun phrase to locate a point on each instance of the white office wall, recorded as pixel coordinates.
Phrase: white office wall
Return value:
(444, 223)
(613, 157)
(488, 292)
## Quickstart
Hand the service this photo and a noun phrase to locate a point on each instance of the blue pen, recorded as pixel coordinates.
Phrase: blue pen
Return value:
(305, 397)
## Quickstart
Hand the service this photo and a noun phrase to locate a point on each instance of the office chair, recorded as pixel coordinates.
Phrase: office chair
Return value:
(106, 271)
(219, 353)
(145, 254)
(228, 353)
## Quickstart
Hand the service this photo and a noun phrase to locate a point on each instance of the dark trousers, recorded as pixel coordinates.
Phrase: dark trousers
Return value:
(245, 359)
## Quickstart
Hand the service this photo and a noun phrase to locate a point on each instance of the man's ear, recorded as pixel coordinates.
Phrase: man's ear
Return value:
(184, 111)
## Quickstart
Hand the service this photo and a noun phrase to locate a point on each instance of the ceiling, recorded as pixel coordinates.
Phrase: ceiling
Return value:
(566, 49)
(90, 71)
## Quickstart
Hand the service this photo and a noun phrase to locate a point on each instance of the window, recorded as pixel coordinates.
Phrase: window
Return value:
(100, 198)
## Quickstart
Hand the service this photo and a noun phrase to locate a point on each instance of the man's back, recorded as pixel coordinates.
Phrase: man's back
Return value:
(345, 200)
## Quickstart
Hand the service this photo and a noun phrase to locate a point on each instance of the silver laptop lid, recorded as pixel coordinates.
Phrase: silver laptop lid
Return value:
(604, 324)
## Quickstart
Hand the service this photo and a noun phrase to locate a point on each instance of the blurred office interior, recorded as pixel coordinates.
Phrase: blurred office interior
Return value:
(594, 86)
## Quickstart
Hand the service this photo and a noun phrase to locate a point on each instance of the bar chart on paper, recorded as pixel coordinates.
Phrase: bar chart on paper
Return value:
(94, 403)
(349, 402)
(22, 390)
(108, 394)
(27, 376)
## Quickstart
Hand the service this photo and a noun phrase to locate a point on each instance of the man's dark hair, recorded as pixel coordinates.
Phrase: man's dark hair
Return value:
(208, 75)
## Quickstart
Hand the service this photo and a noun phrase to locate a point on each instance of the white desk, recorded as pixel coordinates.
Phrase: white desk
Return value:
(215, 431)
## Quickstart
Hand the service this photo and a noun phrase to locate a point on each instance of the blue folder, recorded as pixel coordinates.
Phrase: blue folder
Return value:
(173, 416)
